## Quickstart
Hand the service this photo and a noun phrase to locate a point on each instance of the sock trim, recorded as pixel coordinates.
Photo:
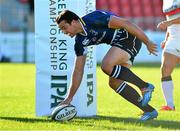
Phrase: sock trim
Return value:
(116, 73)
(121, 87)
(167, 78)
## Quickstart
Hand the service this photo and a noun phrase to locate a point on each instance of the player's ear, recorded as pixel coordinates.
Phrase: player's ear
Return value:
(74, 21)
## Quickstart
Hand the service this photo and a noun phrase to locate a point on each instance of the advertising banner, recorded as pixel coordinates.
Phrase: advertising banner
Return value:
(54, 58)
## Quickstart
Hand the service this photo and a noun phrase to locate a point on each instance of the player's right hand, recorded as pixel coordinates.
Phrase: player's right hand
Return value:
(66, 101)
(152, 48)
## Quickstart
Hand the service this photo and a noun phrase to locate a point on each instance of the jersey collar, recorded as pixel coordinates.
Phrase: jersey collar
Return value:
(83, 26)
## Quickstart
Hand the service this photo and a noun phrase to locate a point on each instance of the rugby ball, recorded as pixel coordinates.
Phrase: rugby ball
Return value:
(64, 113)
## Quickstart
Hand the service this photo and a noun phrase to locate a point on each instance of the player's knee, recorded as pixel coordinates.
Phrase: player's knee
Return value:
(112, 84)
(115, 84)
(166, 70)
(106, 68)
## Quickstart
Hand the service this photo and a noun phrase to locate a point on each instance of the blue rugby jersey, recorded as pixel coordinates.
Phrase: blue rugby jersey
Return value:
(96, 30)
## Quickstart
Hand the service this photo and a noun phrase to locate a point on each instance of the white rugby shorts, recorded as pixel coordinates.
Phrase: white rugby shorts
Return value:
(173, 43)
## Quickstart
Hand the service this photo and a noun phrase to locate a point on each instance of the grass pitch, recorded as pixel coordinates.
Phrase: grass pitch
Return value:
(17, 103)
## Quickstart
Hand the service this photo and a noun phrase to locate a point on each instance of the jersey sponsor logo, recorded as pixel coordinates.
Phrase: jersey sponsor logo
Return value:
(86, 41)
(93, 32)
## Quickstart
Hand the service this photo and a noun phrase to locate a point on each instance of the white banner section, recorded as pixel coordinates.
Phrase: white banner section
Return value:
(54, 58)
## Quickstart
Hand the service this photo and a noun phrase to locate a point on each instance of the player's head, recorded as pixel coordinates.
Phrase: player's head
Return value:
(67, 16)
(67, 22)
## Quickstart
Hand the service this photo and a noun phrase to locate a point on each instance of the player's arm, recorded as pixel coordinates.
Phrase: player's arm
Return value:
(116, 23)
(164, 24)
(174, 21)
(76, 78)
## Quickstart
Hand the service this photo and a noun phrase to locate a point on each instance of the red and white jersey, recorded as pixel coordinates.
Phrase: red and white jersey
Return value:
(174, 30)
(170, 5)
(171, 8)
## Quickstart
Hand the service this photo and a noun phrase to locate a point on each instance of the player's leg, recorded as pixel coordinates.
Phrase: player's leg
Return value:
(128, 93)
(169, 62)
(111, 66)
(131, 95)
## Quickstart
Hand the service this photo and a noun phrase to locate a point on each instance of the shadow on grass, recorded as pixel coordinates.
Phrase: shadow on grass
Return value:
(151, 123)
(27, 120)
(87, 121)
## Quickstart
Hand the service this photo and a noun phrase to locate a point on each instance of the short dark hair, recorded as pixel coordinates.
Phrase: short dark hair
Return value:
(68, 16)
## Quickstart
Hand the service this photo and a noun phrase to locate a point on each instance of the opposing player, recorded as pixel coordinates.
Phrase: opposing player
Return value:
(171, 52)
(125, 38)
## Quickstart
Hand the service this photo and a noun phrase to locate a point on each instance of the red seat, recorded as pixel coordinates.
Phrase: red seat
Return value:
(113, 3)
(147, 8)
(125, 8)
(101, 4)
(136, 8)
(115, 10)
(114, 6)
(159, 16)
(158, 10)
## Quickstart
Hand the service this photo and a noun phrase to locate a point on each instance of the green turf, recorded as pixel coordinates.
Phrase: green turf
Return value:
(17, 103)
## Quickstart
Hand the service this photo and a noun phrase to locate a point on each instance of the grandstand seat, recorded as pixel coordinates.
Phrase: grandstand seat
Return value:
(113, 3)
(102, 4)
(125, 8)
(136, 8)
(147, 8)
(114, 6)
(115, 10)
(159, 16)
(158, 10)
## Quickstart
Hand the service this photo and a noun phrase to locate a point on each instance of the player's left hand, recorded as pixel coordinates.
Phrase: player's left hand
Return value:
(152, 48)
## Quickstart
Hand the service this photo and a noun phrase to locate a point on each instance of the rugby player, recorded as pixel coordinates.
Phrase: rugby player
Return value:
(125, 39)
